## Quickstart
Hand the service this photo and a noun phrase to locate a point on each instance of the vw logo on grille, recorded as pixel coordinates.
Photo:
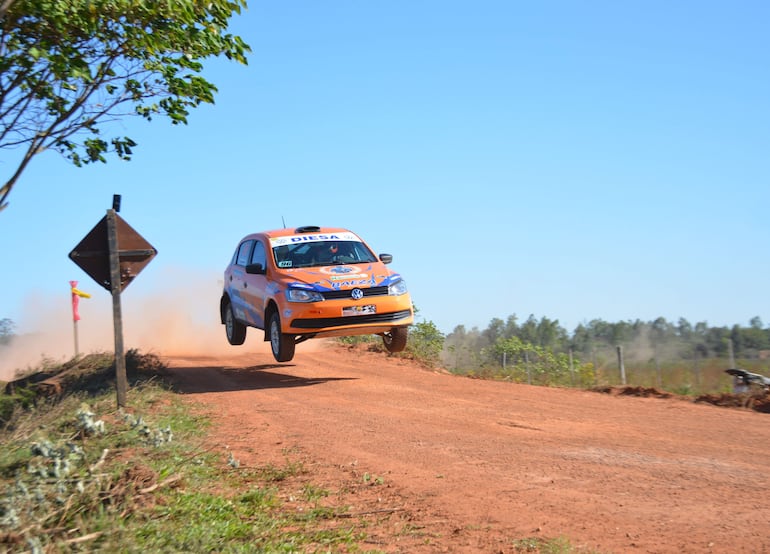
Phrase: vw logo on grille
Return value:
(357, 294)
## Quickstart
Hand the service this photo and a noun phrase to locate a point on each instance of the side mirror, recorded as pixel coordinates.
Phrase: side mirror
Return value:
(386, 258)
(255, 269)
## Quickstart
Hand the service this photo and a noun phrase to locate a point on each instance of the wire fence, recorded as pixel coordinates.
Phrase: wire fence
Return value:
(609, 366)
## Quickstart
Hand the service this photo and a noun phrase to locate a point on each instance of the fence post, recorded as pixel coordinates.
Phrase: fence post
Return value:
(622, 366)
(571, 369)
(696, 368)
(526, 363)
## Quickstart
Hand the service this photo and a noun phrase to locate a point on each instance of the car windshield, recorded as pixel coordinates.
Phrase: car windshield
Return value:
(320, 253)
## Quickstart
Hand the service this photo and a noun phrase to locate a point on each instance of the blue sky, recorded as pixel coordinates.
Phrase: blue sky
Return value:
(573, 160)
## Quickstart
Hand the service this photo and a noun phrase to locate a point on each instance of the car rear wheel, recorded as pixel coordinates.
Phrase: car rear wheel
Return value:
(395, 340)
(236, 331)
(282, 344)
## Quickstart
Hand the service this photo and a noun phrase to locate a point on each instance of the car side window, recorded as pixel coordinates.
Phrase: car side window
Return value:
(259, 257)
(362, 253)
(243, 253)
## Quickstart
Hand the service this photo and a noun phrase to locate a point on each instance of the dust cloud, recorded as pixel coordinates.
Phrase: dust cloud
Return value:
(182, 320)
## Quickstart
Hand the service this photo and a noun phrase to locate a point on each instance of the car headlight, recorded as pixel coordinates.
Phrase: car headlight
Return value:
(302, 295)
(397, 289)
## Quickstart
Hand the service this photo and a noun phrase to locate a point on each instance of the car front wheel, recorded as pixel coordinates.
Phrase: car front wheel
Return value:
(236, 331)
(282, 344)
(395, 340)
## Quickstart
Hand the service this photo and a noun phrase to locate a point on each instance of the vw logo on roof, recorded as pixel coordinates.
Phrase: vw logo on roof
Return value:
(357, 294)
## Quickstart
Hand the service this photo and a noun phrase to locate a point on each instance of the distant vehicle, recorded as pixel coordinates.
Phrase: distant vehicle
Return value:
(312, 282)
(743, 380)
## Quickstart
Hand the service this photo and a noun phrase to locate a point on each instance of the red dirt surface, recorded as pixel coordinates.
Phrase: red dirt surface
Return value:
(442, 463)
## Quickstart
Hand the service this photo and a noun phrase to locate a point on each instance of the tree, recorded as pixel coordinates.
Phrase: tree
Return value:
(463, 348)
(6, 331)
(67, 67)
(684, 329)
(550, 334)
(4, 5)
(582, 341)
(426, 342)
(528, 330)
(511, 326)
(541, 363)
(660, 331)
(494, 330)
(754, 337)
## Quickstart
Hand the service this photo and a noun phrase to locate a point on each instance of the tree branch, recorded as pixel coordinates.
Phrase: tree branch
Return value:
(8, 186)
(65, 69)
(4, 7)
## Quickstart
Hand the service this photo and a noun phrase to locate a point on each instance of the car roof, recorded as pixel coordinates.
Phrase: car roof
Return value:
(306, 229)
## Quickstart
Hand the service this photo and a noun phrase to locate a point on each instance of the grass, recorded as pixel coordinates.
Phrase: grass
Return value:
(558, 545)
(79, 475)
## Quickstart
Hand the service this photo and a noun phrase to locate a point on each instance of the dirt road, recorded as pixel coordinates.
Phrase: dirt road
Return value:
(471, 465)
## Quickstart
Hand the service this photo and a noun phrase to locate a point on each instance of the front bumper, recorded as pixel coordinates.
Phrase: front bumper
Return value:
(378, 315)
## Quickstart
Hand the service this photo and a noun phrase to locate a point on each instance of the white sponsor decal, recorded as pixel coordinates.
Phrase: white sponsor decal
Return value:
(321, 237)
(347, 277)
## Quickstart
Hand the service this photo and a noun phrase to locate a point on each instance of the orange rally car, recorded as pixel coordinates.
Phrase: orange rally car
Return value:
(298, 284)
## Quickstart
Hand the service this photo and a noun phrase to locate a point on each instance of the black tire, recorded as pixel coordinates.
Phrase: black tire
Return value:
(235, 330)
(395, 340)
(281, 344)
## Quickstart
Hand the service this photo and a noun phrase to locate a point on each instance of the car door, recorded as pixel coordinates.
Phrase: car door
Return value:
(255, 287)
(237, 279)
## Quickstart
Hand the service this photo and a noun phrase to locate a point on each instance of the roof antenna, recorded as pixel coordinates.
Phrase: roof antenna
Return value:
(284, 222)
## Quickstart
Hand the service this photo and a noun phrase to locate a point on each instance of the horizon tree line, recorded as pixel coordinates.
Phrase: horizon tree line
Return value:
(642, 341)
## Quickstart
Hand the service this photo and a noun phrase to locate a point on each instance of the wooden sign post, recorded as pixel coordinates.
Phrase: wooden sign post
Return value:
(113, 254)
(121, 381)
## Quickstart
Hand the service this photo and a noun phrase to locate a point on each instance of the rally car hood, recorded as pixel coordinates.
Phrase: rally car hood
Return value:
(339, 277)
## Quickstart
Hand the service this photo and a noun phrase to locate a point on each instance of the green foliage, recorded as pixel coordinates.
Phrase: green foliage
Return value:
(75, 475)
(50, 468)
(23, 399)
(68, 66)
(683, 390)
(425, 342)
(6, 331)
(558, 545)
(656, 353)
(355, 340)
(373, 479)
(7, 407)
(526, 362)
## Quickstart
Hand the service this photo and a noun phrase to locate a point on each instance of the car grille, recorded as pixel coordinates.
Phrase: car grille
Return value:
(349, 320)
(337, 294)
